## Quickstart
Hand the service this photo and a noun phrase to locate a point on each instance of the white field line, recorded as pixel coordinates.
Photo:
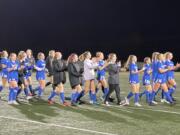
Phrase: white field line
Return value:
(56, 125)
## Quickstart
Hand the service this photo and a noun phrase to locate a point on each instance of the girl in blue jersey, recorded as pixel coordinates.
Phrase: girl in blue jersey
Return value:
(4, 73)
(147, 78)
(161, 80)
(133, 80)
(101, 74)
(22, 82)
(40, 67)
(170, 74)
(31, 62)
(13, 67)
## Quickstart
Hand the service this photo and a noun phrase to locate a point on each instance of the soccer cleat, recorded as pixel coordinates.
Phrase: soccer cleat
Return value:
(154, 102)
(15, 103)
(137, 104)
(91, 102)
(66, 104)
(73, 104)
(127, 101)
(165, 101)
(10, 102)
(50, 102)
(107, 103)
(29, 97)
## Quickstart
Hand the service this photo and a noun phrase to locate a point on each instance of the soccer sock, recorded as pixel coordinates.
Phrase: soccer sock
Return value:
(93, 95)
(1, 88)
(106, 90)
(168, 97)
(40, 92)
(152, 96)
(143, 93)
(162, 94)
(73, 96)
(15, 90)
(26, 91)
(53, 94)
(19, 91)
(130, 95)
(80, 95)
(61, 95)
(174, 86)
(76, 96)
(11, 93)
(90, 95)
(97, 89)
(30, 88)
(148, 96)
(136, 99)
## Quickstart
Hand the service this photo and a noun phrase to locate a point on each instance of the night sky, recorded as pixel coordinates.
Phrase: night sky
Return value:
(123, 26)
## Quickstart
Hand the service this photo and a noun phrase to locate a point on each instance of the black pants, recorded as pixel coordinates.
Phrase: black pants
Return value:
(116, 88)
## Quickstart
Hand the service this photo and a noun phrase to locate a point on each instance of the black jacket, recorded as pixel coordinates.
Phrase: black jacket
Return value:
(74, 71)
(59, 68)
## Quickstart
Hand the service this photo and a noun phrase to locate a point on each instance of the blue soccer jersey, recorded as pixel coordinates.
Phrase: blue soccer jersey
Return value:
(133, 78)
(101, 73)
(30, 65)
(154, 70)
(13, 74)
(4, 61)
(170, 74)
(147, 74)
(161, 77)
(40, 74)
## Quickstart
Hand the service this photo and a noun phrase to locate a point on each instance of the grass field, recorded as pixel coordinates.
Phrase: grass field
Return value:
(38, 118)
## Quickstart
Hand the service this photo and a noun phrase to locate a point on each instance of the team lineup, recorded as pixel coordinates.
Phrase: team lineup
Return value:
(87, 75)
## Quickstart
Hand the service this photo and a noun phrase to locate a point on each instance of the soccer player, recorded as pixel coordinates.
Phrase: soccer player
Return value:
(161, 80)
(41, 70)
(170, 74)
(89, 76)
(12, 68)
(133, 80)
(49, 66)
(147, 78)
(101, 74)
(31, 62)
(74, 71)
(4, 73)
(59, 78)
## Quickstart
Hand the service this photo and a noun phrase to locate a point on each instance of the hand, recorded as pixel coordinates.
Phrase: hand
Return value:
(119, 63)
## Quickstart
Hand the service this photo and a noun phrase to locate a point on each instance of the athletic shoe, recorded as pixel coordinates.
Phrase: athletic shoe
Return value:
(165, 101)
(10, 102)
(15, 103)
(127, 101)
(154, 102)
(73, 104)
(66, 104)
(50, 102)
(137, 104)
(107, 103)
(29, 97)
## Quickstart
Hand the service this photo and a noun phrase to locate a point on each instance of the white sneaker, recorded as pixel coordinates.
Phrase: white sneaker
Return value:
(137, 104)
(107, 103)
(10, 102)
(165, 101)
(154, 102)
(29, 97)
(15, 103)
(127, 101)
(91, 102)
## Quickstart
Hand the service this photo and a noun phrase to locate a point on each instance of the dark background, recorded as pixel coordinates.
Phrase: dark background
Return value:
(123, 26)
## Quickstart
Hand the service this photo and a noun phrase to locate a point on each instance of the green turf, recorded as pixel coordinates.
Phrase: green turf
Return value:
(159, 120)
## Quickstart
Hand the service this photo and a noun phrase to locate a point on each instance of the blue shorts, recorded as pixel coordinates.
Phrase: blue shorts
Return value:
(40, 78)
(146, 82)
(161, 80)
(4, 75)
(133, 81)
(100, 77)
(12, 79)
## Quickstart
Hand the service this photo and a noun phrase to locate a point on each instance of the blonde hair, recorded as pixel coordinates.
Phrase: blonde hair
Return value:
(154, 55)
(167, 54)
(129, 60)
(3, 53)
(81, 57)
(51, 51)
(20, 55)
(146, 59)
(98, 54)
(86, 54)
(159, 56)
(39, 55)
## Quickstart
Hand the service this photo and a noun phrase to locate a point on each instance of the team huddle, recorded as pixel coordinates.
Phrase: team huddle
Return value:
(87, 75)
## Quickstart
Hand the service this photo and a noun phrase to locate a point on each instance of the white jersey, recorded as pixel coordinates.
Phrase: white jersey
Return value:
(89, 66)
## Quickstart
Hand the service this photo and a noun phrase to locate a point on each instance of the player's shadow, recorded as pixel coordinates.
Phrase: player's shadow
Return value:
(37, 110)
(93, 114)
